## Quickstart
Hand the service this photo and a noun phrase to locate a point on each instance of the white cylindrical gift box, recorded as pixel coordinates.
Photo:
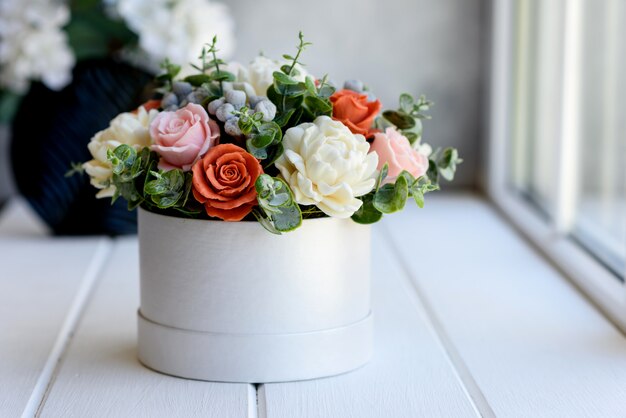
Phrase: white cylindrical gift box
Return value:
(229, 301)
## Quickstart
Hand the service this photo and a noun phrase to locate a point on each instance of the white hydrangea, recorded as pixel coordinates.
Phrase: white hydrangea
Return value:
(328, 166)
(178, 29)
(33, 45)
(259, 73)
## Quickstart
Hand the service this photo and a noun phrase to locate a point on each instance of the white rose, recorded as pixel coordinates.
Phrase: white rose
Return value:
(328, 166)
(259, 73)
(127, 128)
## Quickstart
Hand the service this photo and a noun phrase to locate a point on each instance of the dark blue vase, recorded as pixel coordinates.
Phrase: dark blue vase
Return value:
(51, 131)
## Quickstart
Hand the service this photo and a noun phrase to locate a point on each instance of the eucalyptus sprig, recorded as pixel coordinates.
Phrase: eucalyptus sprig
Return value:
(167, 77)
(279, 211)
(390, 197)
(299, 101)
(210, 71)
(408, 117)
(263, 139)
(289, 69)
(136, 179)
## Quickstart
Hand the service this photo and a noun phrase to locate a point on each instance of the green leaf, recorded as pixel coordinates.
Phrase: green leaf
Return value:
(310, 85)
(283, 79)
(283, 119)
(367, 213)
(432, 172)
(382, 175)
(167, 188)
(122, 159)
(391, 198)
(318, 107)
(448, 162)
(265, 222)
(198, 79)
(400, 119)
(406, 102)
(276, 200)
(223, 76)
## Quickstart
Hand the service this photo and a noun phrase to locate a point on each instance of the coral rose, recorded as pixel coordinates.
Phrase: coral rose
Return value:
(395, 149)
(355, 111)
(182, 137)
(223, 181)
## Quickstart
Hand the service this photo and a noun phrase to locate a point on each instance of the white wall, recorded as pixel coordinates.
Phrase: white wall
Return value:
(395, 46)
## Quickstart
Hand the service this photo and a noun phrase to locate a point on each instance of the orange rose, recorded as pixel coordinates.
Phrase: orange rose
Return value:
(149, 105)
(223, 181)
(353, 110)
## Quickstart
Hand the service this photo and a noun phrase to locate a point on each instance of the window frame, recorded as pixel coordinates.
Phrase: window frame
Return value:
(595, 280)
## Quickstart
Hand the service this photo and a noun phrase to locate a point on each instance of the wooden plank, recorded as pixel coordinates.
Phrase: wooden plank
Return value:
(533, 344)
(409, 376)
(40, 280)
(101, 377)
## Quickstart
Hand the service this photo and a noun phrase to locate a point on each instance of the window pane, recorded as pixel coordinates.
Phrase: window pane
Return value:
(600, 223)
(539, 39)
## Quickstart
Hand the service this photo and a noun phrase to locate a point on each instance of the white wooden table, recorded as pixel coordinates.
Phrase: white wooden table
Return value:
(470, 321)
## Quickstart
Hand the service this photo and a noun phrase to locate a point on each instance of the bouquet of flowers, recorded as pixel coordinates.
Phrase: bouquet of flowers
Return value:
(267, 142)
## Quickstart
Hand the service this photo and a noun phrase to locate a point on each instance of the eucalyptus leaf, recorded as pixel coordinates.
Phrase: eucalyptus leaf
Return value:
(367, 213)
(391, 198)
(400, 119)
(276, 200)
(198, 79)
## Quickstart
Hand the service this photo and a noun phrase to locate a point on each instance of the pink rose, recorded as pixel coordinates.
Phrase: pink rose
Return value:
(183, 136)
(395, 149)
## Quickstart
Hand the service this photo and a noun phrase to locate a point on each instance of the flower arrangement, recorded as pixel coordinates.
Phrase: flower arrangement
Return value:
(267, 141)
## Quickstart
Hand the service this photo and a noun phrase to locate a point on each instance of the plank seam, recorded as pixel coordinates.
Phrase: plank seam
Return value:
(253, 400)
(261, 401)
(461, 371)
(54, 360)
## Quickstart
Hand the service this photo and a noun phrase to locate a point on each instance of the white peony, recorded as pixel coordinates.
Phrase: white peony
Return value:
(259, 73)
(33, 45)
(328, 166)
(178, 29)
(127, 128)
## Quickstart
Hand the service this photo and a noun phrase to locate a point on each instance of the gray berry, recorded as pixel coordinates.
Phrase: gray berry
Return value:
(181, 88)
(215, 104)
(253, 100)
(236, 97)
(168, 100)
(232, 127)
(267, 108)
(197, 96)
(193, 98)
(225, 112)
(370, 96)
(354, 85)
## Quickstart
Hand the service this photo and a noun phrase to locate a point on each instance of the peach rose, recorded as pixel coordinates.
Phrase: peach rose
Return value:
(353, 110)
(223, 181)
(395, 149)
(183, 136)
